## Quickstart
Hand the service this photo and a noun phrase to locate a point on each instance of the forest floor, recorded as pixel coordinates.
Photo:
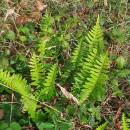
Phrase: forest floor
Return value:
(21, 22)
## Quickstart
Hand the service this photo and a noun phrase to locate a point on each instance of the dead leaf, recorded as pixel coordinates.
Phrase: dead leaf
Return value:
(10, 12)
(40, 5)
(67, 94)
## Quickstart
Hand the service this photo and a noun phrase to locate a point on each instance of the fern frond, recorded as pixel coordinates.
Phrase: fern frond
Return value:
(36, 71)
(14, 82)
(94, 37)
(77, 53)
(86, 65)
(125, 124)
(29, 105)
(74, 63)
(92, 73)
(51, 77)
(97, 78)
(18, 84)
(42, 48)
(49, 83)
(102, 127)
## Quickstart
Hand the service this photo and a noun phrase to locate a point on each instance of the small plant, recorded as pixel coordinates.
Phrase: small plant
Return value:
(87, 71)
(93, 66)
(54, 70)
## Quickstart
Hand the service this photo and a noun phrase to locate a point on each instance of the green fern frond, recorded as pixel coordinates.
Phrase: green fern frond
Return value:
(97, 78)
(77, 53)
(92, 73)
(29, 105)
(49, 83)
(42, 48)
(14, 82)
(94, 37)
(18, 84)
(37, 70)
(86, 65)
(51, 77)
(125, 124)
(89, 60)
(102, 127)
(73, 64)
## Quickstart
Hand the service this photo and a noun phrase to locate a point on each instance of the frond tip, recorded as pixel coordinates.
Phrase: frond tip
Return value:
(94, 37)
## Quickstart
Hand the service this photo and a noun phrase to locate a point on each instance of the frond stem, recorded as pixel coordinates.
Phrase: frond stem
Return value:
(41, 103)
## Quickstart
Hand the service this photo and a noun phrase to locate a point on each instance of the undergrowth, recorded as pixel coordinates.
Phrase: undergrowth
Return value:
(89, 77)
(55, 74)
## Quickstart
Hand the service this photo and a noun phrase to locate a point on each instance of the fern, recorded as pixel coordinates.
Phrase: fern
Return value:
(14, 82)
(49, 83)
(42, 46)
(86, 65)
(29, 104)
(77, 53)
(94, 38)
(68, 69)
(37, 65)
(18, 84)
(125, 124)
(36, 71)
(73, 64)
(98, 76)
(102, 127)
(92, 74)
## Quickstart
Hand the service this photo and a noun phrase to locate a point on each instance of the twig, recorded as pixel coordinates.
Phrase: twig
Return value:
(44, 104)
(68, 94)
(41, 103)
(9, 102)
(11, 106)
